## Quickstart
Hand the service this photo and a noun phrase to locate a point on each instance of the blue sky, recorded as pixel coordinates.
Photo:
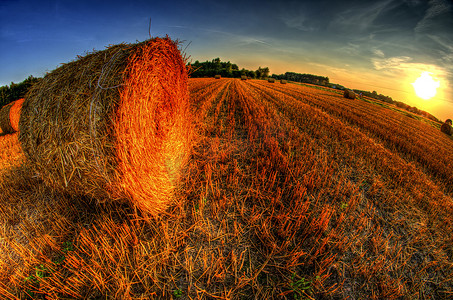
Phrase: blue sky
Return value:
(381, 45)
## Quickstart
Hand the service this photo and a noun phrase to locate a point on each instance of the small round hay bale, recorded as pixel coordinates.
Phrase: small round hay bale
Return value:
(5, 124)
(271, 80)
(217, 76)
(243, 77)
(9, 117)
(283, 81)
(14, 114)
(112, 125)
(349, 94)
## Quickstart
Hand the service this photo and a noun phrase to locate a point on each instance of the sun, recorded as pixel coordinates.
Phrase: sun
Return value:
(425, 86)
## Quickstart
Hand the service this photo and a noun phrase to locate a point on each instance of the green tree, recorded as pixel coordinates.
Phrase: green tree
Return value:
(225, 69)
(262, 73)
(16, 91)
(251, 74)
(228, 70)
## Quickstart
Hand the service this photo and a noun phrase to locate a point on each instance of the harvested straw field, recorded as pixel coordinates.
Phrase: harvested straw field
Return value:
(114, 124)
(291, 192)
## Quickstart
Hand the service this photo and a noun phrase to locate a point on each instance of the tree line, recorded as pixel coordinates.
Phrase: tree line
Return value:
(224, 69)
(14, 91)
(303, 78)
(375, 95)
(399, 104)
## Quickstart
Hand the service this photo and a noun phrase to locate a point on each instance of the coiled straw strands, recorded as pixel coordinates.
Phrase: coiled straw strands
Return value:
(9, 117)
(5, 124)
(114, 124)
(14, 114)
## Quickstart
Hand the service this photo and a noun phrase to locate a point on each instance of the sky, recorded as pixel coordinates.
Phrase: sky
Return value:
(377, 45)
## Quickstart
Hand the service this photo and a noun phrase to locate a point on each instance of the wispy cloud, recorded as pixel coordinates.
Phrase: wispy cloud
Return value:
(297, 19)
(434, 31)
(336, 71)
(392, 63)
(350, 49)
(378, 52)
(198, 29)
(402, 67)
(436, 8)
(358, 18)
(230, 37)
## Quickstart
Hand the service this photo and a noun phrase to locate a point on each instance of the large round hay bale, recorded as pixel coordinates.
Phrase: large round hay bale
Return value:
(349, 94)
(283, 81)
(217, 76)
(114, 124)
(9, 117)
(271, 80)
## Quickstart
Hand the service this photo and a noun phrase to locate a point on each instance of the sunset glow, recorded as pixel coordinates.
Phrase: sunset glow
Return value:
(425, 86)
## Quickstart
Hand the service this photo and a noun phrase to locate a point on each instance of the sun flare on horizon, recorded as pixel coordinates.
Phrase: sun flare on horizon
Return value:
(425, 86)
